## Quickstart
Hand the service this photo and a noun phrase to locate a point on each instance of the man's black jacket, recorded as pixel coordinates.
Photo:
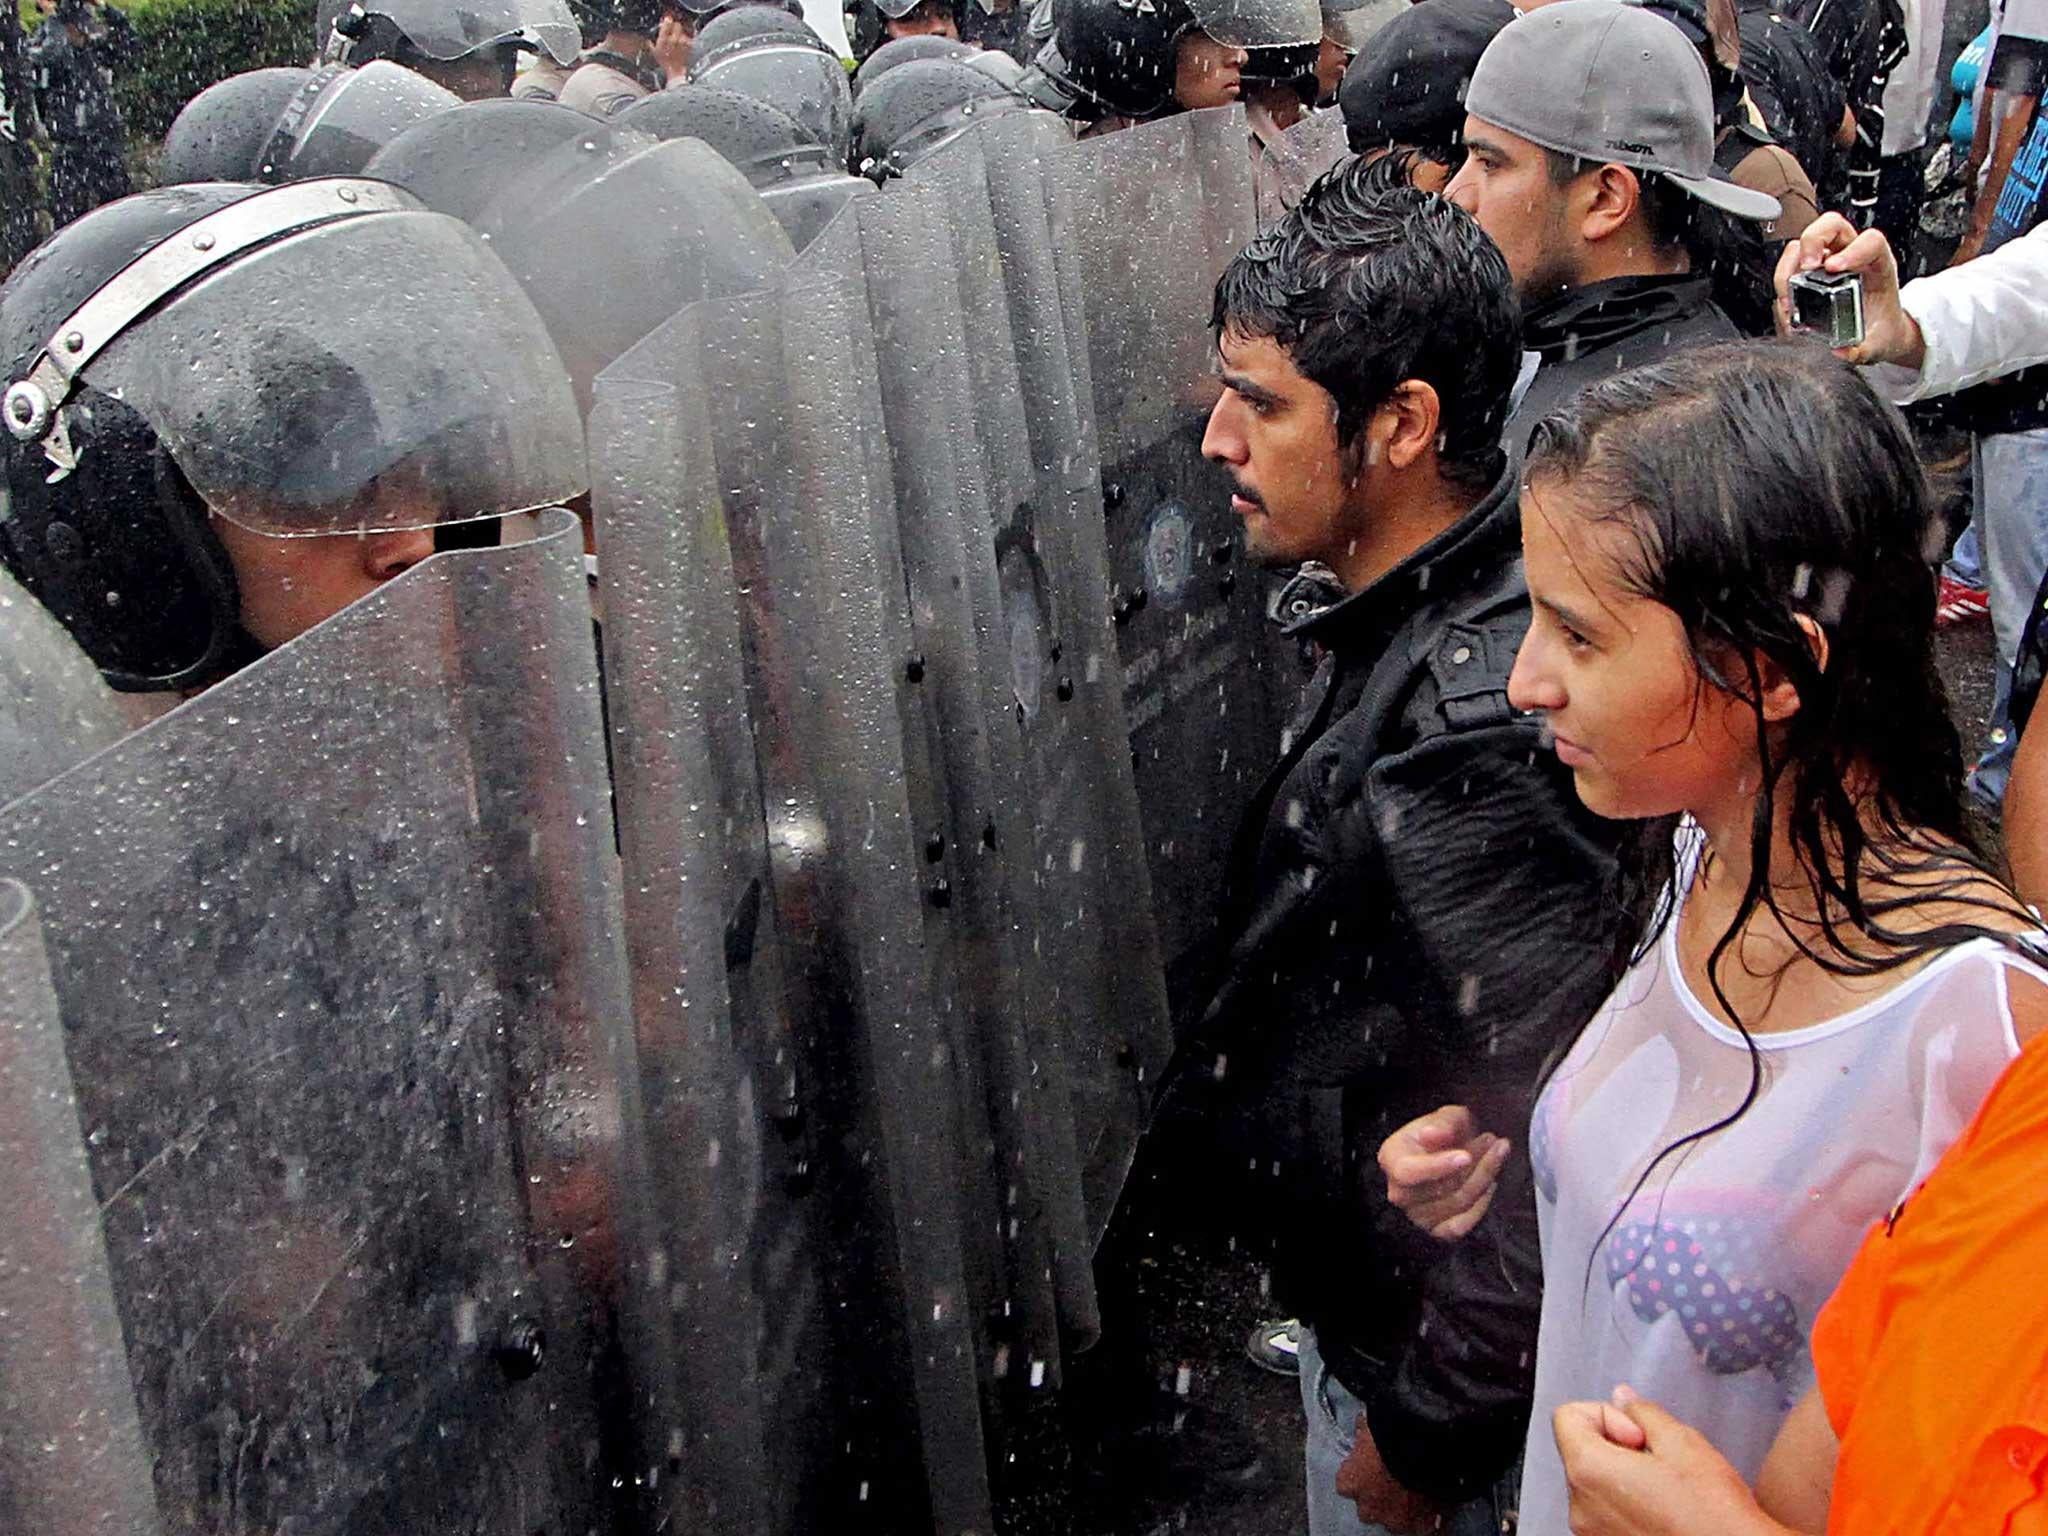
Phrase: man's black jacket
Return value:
(1417, 915)
(1604, 328)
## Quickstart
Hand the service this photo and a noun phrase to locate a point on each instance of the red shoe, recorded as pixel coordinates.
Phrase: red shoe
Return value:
(1958, 604)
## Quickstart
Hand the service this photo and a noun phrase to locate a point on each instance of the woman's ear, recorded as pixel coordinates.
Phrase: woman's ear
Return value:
(1781, 698)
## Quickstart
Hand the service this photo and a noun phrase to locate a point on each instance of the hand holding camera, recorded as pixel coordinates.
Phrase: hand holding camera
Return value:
(1844, 286)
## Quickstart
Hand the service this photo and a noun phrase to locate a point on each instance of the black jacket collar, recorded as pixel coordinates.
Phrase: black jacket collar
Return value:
(1601, 314)
(1439, 567)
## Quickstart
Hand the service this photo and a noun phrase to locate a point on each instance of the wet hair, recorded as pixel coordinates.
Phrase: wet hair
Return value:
(1729, 252)
(1762, 483)
(1368, 282)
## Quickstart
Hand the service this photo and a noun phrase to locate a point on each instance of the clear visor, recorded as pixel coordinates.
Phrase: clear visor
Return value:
(359, 113)
(444, 31)
(810, 86)
(941, 129)
(687, 227)
(1260, 23)
(371, 374)
(1353, 26)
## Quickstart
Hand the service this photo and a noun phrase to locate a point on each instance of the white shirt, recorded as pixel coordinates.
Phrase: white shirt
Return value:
(1982, 320)
(1699, 1290)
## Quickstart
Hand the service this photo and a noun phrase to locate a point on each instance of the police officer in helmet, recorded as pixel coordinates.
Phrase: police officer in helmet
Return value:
(872, 23)
(276, 125)
(1122, 61)
(646, 48)
(229, 412)
(470, 49)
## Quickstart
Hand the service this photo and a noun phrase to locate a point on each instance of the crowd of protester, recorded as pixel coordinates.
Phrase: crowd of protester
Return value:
(1624, 993)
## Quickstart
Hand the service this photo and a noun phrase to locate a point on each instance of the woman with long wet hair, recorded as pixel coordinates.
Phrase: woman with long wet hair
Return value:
(1730, 558)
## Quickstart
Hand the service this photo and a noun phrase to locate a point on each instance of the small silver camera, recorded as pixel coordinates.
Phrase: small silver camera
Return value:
(1830, 304)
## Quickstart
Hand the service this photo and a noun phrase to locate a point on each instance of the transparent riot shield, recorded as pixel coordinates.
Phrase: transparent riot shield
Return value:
(872, 1414)
(1286, 165)
(1031, 1241)
(54, 709)
(1158, 210)
(1037, 459)
(72, 1459)
(335, 946)
(722, 1051)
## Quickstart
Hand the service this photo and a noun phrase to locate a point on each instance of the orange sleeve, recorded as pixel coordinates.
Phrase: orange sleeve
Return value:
(1932, 1357)
(1848, 1328)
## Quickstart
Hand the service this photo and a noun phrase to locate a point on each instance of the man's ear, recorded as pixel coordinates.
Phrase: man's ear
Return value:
(1609, 197)
(1781, 698)
(1407, 424)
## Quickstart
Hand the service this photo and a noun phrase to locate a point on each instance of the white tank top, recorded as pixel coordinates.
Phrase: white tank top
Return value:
(1703, 1294)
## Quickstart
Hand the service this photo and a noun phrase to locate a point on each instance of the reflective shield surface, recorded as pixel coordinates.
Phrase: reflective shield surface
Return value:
(335, 948)
(1034, 419)
(72, 1458)
(54, 709)
(831, 688)
(1158, 211)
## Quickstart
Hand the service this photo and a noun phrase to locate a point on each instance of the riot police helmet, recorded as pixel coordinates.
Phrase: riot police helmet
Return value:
(902, 50)
(182, 415)
(678, 223)
(458, 162)
(764, 143)
(917, 108)
(750, 25)
(1125, 56)
(470, 47)
(277, 125)
(788, 68)
(999, 67)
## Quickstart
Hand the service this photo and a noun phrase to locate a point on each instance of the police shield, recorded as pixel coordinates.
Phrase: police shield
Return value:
(721, 1049)
(1035, 443)
(1029, 1247)
(72, 1459)
(1284, 166)
(831, 684)
(1158, 211)
(334, 946)
(54, 709)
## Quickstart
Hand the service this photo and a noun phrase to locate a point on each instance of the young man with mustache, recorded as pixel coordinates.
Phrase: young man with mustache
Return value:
(1417, 910)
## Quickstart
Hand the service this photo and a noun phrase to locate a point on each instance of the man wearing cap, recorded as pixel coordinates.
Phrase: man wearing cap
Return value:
(1406, 88)
(1589, 138)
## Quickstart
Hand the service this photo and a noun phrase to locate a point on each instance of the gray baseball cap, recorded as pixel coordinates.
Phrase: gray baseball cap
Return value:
(1612, 84)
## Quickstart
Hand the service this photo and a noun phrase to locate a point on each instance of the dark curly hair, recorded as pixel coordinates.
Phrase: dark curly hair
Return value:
(1367, 283)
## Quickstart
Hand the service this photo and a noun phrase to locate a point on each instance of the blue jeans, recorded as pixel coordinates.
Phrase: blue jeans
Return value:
(1966, 560)
(2009, 510)
(1333, 1414)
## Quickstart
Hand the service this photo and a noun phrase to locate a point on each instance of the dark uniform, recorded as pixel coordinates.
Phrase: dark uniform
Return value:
(71, 60)
(17, 173)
